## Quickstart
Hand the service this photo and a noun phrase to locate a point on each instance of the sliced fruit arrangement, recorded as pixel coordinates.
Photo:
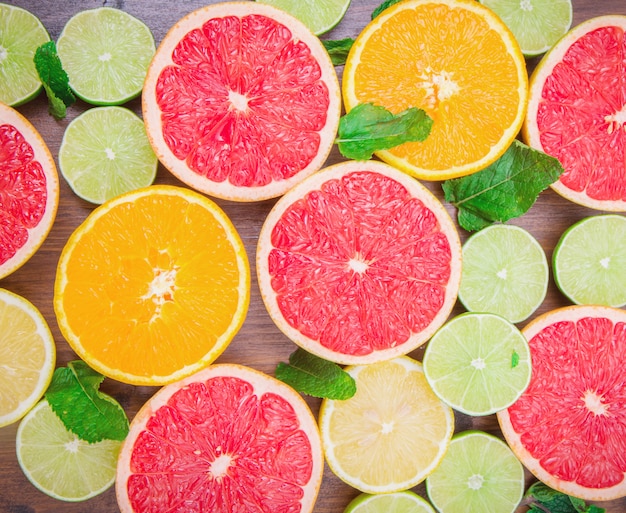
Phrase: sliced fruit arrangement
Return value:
(27, 356)
(565, 427)
(398, 502)
(319, 15)
(241, 101)
(398, 62)
(576, 112)
(21, 33)
(392, 433)
(105, 152)
(59, 463)
(225, 437)
(106, 53)
(359, 263)
(478, 473)
(536, 24)
(162, 267)
(589, 261)
(29, 189)
(505, 272)
(478, 363)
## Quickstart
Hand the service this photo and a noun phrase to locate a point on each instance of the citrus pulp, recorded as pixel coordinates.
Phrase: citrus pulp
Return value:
(359, 263)
(241, 101)
(319, 15)
(398, 502)
(224, 439)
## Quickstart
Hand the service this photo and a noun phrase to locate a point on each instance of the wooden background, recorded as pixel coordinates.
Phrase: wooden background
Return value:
(259, 344)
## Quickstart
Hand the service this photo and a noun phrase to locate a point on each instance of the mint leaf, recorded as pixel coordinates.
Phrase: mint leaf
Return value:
(85, 411)
(54, 79)
(368, 128)
(505, 189)
(382, 7)
(338, 49)
(315, 376)
(540, 498)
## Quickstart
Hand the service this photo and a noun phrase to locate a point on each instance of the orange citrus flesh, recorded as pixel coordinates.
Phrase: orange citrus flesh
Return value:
(455, 60)
(153, 285)
(567, 427)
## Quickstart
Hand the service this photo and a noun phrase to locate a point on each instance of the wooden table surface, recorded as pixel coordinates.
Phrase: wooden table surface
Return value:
(259, 344)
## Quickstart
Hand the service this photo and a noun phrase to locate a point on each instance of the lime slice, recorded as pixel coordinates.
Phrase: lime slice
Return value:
(60, 464)
(478, 473)
(505, 271)
(106, 53)
(319, 15)
(536, 24)
(21, 33)
(589, 261)
(105, 152)
(399, 502)
(478, 363)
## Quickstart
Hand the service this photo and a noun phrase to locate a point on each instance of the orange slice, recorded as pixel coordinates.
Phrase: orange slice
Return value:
(456, 60)
(152, 286)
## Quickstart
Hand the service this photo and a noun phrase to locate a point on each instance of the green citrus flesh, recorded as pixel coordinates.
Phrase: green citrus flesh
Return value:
(505, 272)
(478, 363)
(105, 152)
(21, 33)
(106, 53)
(478, 473)
(589, 261)
(319, 16)
(536, 24)
(398, 502)
(58, 463)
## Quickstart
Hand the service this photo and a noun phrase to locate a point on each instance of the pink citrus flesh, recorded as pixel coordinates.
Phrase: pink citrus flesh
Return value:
(29, 190)
(567, 427)
(241, 101)
(577, 112)
(359, 263)
(228, 438)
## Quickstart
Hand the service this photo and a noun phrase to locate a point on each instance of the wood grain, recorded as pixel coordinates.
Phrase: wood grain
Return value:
(259, 344)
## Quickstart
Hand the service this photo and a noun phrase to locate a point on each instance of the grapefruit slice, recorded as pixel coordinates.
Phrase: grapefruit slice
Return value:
(29, 190)
(577, 111)
(567, 427)
(228, 438)
(359, 263)
(241, 101)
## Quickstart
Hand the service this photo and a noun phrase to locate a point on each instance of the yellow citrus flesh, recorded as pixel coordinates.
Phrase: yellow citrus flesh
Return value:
(456, 60)
(392, 433)
(27, 356)
(153, 285)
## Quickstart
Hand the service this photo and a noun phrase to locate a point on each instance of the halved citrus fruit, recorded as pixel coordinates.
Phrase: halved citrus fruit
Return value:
(241, 101)
(359, 263)
(224, 439)
(29, 188)
(576, 112)
(566, 427)
(152, 286)
(456, 60)
(27, 356)
(392, 433)
(405, 501)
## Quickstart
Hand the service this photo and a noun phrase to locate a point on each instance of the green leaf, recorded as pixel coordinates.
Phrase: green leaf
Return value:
(368, 128)
(383, 6)
(54, 79)
(315, 376)
(542, 499)
(85, 411)
(504, 190)
(338, 49)
(514, 359)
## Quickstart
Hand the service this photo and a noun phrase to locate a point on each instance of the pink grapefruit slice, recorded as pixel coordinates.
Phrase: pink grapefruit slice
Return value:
(29, 190)
(567, 428)
(241, 101)
(226, 439)
(577, 112)
(359, 263)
